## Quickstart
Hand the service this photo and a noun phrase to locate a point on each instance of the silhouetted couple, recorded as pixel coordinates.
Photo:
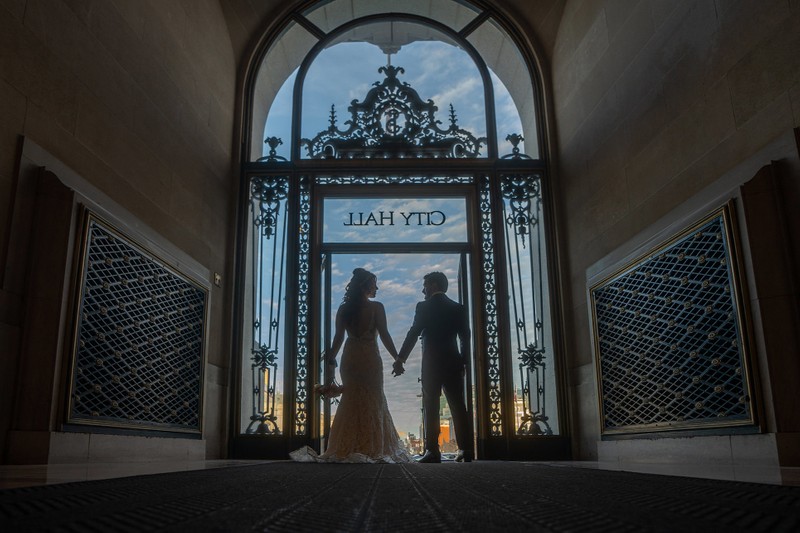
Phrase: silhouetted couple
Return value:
(363, 430)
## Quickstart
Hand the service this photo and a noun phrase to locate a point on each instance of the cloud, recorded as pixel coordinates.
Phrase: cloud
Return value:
(393, 289)
(455, 92)
(437, 70)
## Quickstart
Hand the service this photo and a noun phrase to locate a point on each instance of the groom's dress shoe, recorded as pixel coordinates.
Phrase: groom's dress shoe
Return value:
(463, 457)
(431, 457)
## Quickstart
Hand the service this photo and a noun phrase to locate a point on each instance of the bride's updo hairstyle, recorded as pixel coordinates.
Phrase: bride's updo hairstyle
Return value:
(353, 293)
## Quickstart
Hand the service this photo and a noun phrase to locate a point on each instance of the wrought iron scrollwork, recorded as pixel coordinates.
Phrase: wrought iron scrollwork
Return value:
(393, 180)
(272, 156)
(393, 121)
(532, 365)
(520, 191)
(525, 258)
(264, 366)
(266, 195)
(303, 309)
(515, 139)
(489, 283)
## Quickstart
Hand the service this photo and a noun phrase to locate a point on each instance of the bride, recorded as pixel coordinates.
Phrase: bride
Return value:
(362, 430)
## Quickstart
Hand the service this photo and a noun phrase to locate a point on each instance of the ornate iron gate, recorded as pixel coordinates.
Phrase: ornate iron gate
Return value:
(393, 143)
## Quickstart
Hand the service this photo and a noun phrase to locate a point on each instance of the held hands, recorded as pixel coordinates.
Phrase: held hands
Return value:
(397, 368)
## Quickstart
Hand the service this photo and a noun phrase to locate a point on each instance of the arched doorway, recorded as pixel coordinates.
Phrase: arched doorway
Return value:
(398, 148)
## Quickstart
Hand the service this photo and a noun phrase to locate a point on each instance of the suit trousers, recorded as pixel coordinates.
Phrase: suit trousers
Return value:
(434, 381)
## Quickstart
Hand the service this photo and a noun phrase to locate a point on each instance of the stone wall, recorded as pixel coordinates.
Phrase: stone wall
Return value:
(137, 98)
(654, 101)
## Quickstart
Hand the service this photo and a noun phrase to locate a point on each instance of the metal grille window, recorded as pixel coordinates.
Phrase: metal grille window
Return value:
(669, 336)
(139, 345)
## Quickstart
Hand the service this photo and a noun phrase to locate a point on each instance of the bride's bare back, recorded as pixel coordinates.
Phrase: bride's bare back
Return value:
(369, 317)
(363, 323)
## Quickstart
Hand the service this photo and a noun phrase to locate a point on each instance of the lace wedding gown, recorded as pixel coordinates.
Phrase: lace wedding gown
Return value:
(362, 430)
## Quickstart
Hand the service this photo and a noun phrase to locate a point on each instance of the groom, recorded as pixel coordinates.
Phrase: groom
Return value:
(442, 323)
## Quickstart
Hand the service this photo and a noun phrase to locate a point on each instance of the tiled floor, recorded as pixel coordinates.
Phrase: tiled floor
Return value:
(12, 476)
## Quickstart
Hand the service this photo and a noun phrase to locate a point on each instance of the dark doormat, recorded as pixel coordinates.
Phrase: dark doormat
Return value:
(478, 496)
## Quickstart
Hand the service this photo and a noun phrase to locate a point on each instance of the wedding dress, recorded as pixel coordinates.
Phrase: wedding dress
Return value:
(362, 430)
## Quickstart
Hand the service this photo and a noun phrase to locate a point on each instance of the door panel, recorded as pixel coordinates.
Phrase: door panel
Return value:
(399, 289)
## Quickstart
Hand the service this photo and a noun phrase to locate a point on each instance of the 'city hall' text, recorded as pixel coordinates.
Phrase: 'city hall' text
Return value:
(387, 218)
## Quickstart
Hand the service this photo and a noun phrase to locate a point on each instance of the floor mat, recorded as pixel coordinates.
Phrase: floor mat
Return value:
(478, 496)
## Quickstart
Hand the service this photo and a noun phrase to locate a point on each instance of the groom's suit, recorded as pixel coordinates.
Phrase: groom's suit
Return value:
(442, 323)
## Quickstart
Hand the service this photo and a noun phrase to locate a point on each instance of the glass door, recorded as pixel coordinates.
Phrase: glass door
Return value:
(484, 233)
(325, 335)
(464, 279)
(399, 235)
(399, 289)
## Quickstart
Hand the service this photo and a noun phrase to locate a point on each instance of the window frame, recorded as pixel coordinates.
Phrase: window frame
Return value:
(508, 443)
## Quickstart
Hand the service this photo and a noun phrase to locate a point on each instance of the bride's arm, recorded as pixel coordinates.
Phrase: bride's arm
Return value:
(383, 331)
(338, 339)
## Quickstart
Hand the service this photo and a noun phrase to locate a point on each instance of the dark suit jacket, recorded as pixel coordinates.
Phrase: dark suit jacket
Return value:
(442, 323)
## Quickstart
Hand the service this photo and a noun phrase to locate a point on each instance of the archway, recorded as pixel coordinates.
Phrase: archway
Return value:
(395, 142)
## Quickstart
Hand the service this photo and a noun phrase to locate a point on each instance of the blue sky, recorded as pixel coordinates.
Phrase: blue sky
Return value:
(436, 70)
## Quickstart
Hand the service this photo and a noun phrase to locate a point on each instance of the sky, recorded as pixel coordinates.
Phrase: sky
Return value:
(447, 75)
(438, 71)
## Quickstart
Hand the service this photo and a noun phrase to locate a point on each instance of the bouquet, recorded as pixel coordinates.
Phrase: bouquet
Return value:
(331, 390)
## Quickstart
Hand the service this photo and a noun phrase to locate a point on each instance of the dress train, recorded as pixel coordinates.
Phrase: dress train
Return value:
(362, 430)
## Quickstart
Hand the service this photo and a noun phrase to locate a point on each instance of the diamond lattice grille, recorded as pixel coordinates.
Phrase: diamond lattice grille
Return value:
(139, 349)
(668, 338)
